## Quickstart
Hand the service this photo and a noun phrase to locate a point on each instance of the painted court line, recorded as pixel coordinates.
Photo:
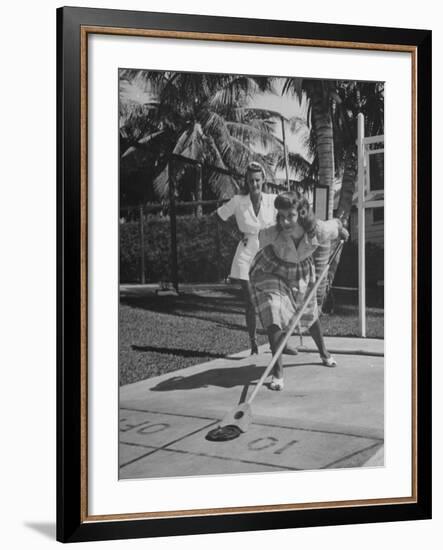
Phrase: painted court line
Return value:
(166, 413)
(153, 450)
(317, 430)
(236, 460)
(163, 447)
(166, 446)
(229, 459)
(204, 455)
(262, 424)
(132, 444)
(350, 456)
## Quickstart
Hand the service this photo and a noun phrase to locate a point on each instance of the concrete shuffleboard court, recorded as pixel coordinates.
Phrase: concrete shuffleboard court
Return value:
(324, 417)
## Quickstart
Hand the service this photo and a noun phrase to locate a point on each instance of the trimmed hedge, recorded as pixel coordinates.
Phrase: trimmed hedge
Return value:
(347, 271)
(201, 260)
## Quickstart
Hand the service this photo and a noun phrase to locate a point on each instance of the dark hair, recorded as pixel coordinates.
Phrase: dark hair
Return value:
(252, 167)
(295, 200)
(290, 200)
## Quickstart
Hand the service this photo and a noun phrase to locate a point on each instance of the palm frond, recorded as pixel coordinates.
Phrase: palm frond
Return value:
(144, 141)
(161, 183)
(235, 91)
(253, 133)
(294, 86)
(296, 124)
(260, 114)
(214, 124)
(222, 185)
(214, 156)
(297, 163)
(191, 143)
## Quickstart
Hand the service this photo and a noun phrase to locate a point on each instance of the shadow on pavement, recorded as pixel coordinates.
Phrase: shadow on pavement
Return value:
(223, 378)
(179, 352)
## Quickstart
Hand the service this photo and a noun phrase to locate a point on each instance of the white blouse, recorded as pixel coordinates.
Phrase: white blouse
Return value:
(241, 207)
(285, 247)
(250, 225)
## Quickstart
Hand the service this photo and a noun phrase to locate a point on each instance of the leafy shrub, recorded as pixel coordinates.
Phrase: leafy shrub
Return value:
(347, 271)
(200, 258)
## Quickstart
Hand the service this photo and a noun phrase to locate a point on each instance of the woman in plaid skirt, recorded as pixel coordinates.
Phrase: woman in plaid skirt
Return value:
(283, 272)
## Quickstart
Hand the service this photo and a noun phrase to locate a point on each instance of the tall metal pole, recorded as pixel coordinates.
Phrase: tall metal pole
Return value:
(142, 246)
(361, 226)
(199, 189)
(285, 151)
(173, 225)
(217, 248)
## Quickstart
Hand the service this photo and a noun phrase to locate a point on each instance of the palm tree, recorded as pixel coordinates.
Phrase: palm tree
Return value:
(355, 97)
(142, 143)
(321, 94)
(204, 119)
(281, 158)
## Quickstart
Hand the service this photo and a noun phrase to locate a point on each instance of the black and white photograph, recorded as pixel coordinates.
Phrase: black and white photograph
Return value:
(219, 321)
(251, 274)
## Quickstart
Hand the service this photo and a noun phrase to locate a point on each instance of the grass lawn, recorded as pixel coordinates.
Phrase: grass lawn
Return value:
(160, 334)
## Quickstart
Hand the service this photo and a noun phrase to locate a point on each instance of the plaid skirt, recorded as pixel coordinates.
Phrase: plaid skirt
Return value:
(280, 288)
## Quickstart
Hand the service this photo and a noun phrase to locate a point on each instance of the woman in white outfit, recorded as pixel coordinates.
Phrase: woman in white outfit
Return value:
(253, 211)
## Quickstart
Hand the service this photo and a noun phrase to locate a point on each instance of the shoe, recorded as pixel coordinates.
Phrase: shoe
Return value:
(276, 384)
(329, 361)
(254, 348)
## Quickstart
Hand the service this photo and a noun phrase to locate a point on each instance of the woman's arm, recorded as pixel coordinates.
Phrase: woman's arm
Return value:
(267, 236)
(330, 230)
(225, 220)
(229, 226)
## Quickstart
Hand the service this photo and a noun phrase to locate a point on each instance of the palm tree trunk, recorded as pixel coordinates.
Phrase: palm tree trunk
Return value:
(348, 184)
(322, 125)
